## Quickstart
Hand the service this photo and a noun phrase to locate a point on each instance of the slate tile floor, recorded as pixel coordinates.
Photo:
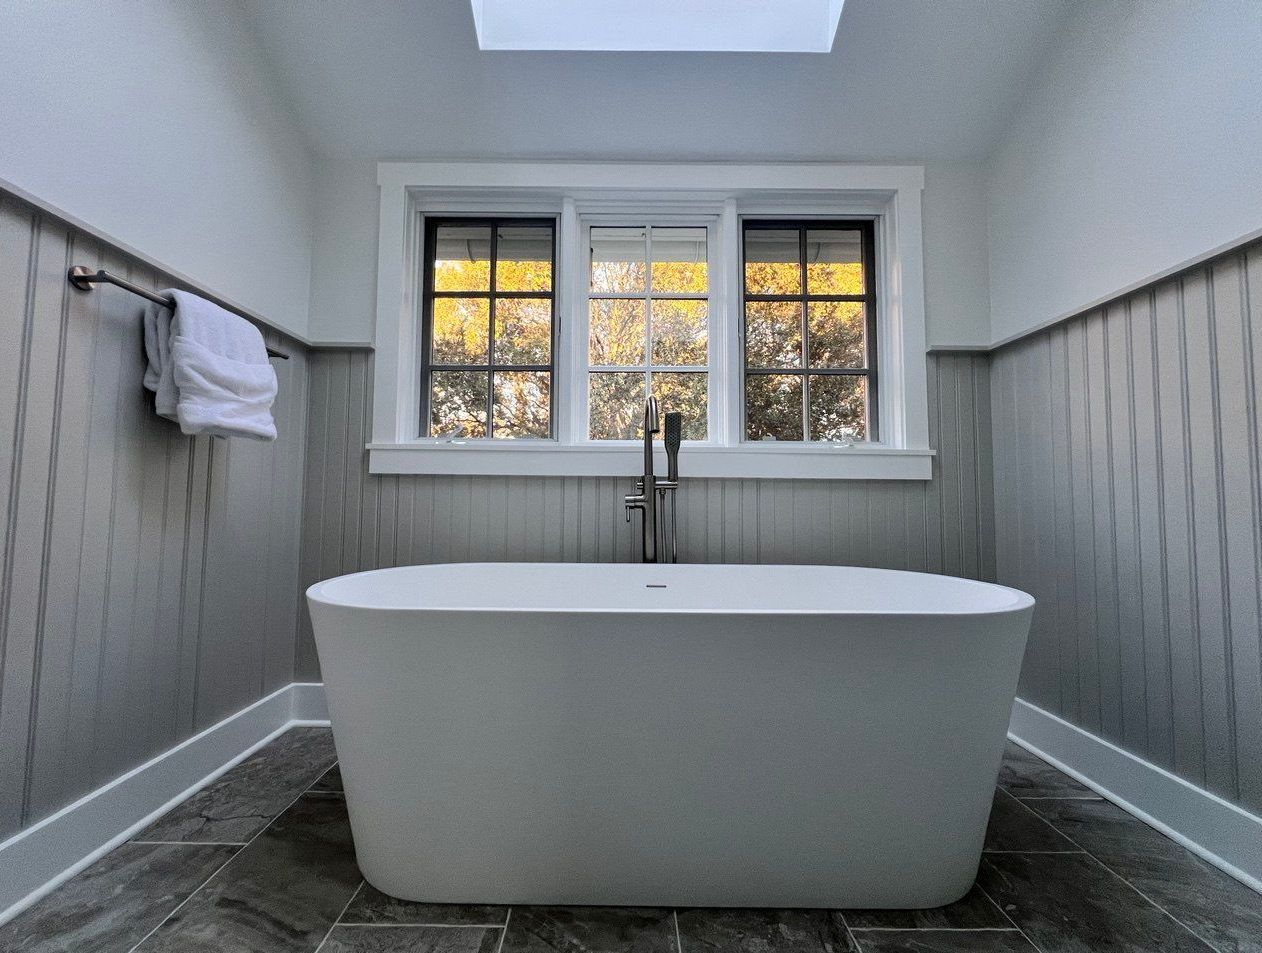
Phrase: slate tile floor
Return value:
(261, 861)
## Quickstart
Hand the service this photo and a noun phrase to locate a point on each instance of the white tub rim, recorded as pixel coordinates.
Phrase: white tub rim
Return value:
(997, 599)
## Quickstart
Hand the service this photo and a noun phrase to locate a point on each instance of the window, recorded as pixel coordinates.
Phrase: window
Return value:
(810, 331)
(648, 328)
(526, 309)
(489, 329)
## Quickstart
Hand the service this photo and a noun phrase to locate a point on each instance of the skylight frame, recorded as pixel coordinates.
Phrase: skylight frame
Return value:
(725, 26)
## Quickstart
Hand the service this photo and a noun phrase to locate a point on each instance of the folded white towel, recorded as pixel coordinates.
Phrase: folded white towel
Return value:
(208, 369)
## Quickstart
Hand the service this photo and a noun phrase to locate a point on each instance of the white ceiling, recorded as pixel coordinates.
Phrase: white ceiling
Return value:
(907, 79)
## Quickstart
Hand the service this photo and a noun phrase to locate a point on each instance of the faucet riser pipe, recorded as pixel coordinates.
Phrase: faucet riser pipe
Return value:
(657, 544)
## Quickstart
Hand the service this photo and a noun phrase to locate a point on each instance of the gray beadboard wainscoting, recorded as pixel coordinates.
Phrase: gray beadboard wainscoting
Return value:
(1128, 499)
(150, 583)
(355, 521)
(149, 580)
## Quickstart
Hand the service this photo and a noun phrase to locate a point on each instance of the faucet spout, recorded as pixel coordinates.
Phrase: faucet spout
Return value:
(651, 427)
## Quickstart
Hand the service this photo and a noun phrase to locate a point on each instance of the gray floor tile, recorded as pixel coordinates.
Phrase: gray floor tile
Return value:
(589, 930)
(372, 906)
(243, 801)
(1025, 775)
(943, 941)
(1217, 908)
(761, 931)
(281, 894)
(112, 904)
(1069, 903)
(391, 939)
(1013, 826)
(330, 781)
(974, 911)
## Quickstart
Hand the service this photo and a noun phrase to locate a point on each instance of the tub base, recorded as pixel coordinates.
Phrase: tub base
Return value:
(670, 759)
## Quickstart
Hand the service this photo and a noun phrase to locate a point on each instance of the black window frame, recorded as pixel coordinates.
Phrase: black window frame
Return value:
(428, 295)
(867, 229)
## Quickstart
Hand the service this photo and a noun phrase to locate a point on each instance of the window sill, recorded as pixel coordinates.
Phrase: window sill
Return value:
(546, 458)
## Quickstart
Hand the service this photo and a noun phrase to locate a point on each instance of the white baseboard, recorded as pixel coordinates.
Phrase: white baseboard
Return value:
(308, 703)
(46, 854)
(1216, 830)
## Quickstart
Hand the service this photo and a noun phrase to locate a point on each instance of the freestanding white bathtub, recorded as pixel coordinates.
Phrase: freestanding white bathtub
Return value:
(785, 736)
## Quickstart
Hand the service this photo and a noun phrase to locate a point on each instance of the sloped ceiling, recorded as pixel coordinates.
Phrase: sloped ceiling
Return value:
(907, 79)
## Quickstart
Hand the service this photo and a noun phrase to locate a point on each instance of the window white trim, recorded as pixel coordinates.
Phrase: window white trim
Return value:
(575, 192)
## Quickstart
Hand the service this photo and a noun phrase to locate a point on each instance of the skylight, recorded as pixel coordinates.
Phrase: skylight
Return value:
(772, 26)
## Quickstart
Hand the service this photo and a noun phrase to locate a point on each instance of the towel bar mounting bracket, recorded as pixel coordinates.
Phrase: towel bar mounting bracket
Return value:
(79, 277)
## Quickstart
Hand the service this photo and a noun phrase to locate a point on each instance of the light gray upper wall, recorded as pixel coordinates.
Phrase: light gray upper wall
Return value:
(354, 521)
(343, 304)
(1133, 154)
(344, 280)
(160, 125)
(957, 256)
(391, 79)
(1128, 501)
(397, 79)
(148, 580)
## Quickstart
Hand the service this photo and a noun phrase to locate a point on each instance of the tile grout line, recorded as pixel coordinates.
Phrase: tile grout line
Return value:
(1121, 878)
(1150, 900)
(176, 909)
(190, 843)
(1004, 913)
(337, 919)
(499, 948)
(235, 854)
(1078, 851)
(1057, 797)
(1012, 929)
(854, 940)
(414, 926)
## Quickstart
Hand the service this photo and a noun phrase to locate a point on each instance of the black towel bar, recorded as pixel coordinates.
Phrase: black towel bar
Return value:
(84, 278)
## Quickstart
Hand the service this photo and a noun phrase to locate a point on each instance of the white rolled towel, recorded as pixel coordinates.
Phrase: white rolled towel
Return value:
(214, 364)
(159, 374)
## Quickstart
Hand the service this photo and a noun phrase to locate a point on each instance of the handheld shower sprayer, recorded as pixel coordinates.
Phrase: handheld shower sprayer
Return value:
(674, 431)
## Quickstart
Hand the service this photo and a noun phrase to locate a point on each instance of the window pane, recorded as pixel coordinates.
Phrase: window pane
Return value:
(838, 407)
(460, 331)
(523, 330)
(617, 260)
(684, 393)
(617, 405)
(522, 404)
(773, 407)
(679, 261)
(679, 332)
(834, 262)
(457, 404)
(772, 262)
(835, 331)
(523, 258)
(462, 258)
(616, 337)
(773, 334)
